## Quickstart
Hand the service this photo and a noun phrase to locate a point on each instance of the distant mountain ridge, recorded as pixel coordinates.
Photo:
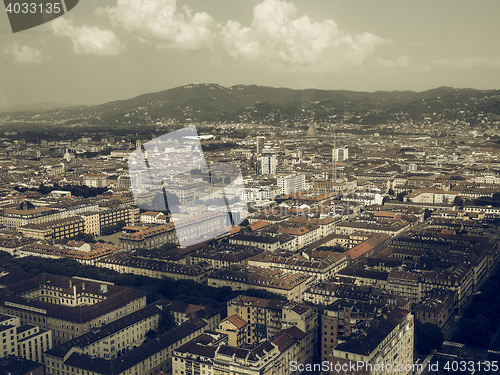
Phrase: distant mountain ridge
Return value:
(262, 104)
(35, 107)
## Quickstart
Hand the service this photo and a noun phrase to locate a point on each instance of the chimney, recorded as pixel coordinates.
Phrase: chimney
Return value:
(70, 283)
(83, 286)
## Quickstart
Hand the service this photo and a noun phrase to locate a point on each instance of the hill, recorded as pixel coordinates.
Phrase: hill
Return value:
(260, 104)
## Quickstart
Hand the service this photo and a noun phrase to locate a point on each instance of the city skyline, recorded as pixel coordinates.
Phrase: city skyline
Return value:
(139, 47)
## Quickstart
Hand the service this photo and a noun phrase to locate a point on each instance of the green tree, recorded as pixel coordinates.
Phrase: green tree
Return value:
(335, 249)
(84, 237)
(458, 201)
(167, 321)
(477, 331)
(110, 229)
(428, 337)
(400, 196)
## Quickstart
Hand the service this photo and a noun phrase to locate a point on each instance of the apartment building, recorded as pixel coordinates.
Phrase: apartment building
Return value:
(111, 340)
(26, 341)
(265, 241)
(83, 252)
(210, 354)
(150, 358)
(149, 238)
(114, 215)
(55, 229)
(68, 306)
(127, 262)
(263, 316)
(437, 309)
(388, 341)
(225, 254)
(183, 312)
(292, 183)
(320, 268)
(16, 218)
(267, 318)
(289, 285)
(236, 329)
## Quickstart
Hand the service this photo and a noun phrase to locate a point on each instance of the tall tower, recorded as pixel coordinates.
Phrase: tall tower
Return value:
(338, 154)
(335, 157)
(260, 144)
(268, 160)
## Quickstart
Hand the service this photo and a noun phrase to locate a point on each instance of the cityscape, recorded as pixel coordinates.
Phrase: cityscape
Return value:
(324, 201)
(339, 248)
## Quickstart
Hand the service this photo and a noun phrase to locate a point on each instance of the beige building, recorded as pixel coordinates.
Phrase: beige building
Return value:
(290, 285)
(127, 262)
(320, 268)
(149, 238)
(236, 330)
(16, 218)
(183, 312)
(151, 358)
(68, 306)
(210, 354)
(95, 180)
(344, 186)
(78, 250)
(388, 342)
(61, 228)
(265, 241)
(27, 341)
(438, 309)
(92, 224)
(111, 340)
(267, 318)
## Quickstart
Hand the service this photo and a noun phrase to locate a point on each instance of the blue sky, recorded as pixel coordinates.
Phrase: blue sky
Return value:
(105, 50)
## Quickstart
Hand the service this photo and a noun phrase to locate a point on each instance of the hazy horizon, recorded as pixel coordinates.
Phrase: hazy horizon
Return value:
(226, 86)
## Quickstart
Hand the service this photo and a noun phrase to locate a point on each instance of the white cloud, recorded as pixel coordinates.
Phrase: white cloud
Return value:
(401, 62)
(469, 62)
(87, 39)
(160, 22)
(24, 54)
(275, 35)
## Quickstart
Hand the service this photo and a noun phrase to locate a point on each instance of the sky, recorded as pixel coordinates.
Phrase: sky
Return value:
(106, 50)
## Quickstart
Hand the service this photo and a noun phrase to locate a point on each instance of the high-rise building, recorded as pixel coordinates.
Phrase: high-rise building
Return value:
(340, 154)
(260, 144)
(292, 183)
(268, 160)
